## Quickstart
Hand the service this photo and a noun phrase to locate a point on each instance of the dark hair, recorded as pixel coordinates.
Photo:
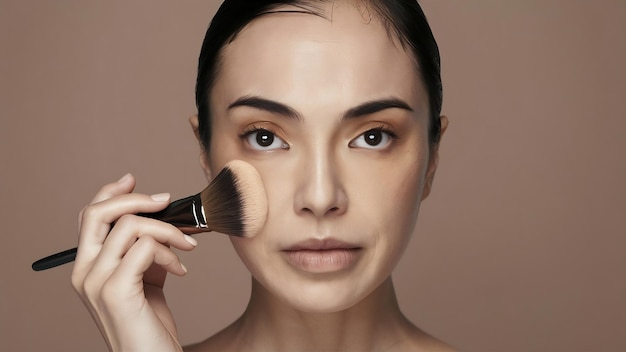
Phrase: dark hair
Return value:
(402, 18)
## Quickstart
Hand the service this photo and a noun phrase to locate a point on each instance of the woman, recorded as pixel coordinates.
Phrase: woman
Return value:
(336, 104)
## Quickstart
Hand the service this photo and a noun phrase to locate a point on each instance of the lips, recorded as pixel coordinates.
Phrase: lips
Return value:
(325, 244)
(322, 256)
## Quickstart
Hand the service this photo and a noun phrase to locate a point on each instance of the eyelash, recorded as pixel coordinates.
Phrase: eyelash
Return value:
(255, 129)
(392, 135)
(384, 129)
(252, 129)
(248, 131)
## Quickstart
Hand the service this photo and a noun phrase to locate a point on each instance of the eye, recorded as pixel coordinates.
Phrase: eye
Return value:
(262, 139)
(376, 138)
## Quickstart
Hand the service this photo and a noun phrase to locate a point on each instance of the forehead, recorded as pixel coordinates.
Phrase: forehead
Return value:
(346, 54)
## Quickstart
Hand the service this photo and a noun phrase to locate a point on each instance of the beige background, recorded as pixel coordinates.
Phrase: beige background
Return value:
(520, 247)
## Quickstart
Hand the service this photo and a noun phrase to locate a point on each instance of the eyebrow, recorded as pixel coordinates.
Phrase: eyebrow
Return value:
(266, 105)
(275, 107)
(375, 106)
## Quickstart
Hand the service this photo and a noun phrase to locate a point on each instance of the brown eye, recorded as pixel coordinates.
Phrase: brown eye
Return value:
(373, 137)
(264, 140)
(376, 138)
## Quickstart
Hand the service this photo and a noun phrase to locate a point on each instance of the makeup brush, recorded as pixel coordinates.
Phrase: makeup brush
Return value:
(234, 203)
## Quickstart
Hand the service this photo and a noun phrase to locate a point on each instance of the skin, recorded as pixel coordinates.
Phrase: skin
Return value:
(321, 73)
(334, 189)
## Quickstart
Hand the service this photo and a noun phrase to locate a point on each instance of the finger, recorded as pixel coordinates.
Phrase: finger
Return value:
(97, 219)
(146, 252)
(127, 231)
(125, 184)
(130, 228)
(128, 276)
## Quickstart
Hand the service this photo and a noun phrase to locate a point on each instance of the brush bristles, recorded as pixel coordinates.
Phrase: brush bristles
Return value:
(235, 202)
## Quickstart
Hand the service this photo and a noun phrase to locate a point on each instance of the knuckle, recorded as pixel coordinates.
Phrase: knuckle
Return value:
(77, 282)
(172, 260)
(147, 243)
(168, 257)
(88, 212)
(91, 287)
(81, 213)
(127, 220)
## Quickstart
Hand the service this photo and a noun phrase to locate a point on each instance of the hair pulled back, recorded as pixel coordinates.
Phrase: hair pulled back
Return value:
(404, 19)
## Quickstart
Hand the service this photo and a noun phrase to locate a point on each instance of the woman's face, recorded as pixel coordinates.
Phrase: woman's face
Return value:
(333, 115)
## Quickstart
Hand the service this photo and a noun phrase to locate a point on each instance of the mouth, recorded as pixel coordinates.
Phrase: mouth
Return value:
(322, 256)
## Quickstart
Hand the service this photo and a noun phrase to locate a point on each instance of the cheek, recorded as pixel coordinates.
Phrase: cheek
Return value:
(244, 247)
(391, 192)
(408, 195)
(281, 175)
(391, 206)
(256, 257)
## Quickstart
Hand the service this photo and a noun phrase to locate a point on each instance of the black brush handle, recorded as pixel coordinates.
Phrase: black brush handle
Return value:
(187, 214)
(55, 260)
(184, 213)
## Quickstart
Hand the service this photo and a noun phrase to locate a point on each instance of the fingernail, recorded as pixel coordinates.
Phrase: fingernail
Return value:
(124, 178)
(191, 240)
(183, 267)
(160, 197)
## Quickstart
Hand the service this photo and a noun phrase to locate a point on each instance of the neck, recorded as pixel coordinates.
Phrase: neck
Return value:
(375, 323)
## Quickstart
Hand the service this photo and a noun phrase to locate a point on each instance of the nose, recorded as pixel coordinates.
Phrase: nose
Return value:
(320, 191)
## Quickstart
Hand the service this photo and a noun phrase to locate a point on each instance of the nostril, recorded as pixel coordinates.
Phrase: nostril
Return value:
(320, 197)
(333, 211)
(329, 211)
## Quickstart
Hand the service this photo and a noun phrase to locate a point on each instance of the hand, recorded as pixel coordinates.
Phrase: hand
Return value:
(119, 272)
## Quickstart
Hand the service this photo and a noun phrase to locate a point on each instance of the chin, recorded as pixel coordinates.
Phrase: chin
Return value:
(322, 300)
(329, 293)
